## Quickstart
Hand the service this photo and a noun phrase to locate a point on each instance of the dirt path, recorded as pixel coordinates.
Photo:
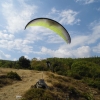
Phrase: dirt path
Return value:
(29, 78)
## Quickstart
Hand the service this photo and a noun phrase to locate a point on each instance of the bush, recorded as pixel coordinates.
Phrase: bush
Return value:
(38, 94)
(88, 96)
(81, 68)
(76, 76)
(93, 83)
(13, 75)
(4, 80)
(60, 86)
(73, 92)
(85, 69)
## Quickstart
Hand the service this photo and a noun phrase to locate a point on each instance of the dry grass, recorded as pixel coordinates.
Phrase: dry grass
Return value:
(66, 83)
(29, 78)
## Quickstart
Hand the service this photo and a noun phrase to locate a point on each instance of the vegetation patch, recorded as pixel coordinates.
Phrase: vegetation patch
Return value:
(4, 80)
(39, 94)
(81, 74)
(9, 78)
(13, 75)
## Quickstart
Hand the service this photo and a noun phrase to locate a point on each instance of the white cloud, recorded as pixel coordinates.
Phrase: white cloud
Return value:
(35, 33)
(95, 32)
(53, 11)
(86, 1)
(17, 17)
(6, 36)
(96, 49)
(15, 59)
(89, 37)
(3, 55)
(82, 51)
(68, 17)
(54, 39)
(17, 44)
(62, 53)
(26, 56)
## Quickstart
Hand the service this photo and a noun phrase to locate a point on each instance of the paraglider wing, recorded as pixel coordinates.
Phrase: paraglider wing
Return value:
(51, 24)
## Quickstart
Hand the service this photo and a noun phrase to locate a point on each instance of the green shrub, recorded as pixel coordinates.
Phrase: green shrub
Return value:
(73, 92)
(75, 75)
(88, 96)
(38, 94)
(85, 69)
(60, 86)
(13, 75)
(81, 68)
(93, 83)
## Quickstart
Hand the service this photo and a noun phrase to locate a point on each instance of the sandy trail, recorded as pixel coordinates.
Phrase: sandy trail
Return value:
(29, 78)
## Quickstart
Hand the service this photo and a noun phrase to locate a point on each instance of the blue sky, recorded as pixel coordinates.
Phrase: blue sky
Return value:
(81, 18)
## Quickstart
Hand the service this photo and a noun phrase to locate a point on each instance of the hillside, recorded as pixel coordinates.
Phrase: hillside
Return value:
(29, 78)
(58, 85)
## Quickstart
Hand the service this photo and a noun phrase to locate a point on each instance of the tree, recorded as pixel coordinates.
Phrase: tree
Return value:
(24, 62)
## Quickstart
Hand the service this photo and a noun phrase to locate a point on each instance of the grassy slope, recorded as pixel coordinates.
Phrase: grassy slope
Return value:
(30, 77)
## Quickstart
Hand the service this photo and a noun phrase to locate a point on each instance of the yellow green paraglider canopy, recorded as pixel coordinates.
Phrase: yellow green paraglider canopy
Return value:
(52, 25)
